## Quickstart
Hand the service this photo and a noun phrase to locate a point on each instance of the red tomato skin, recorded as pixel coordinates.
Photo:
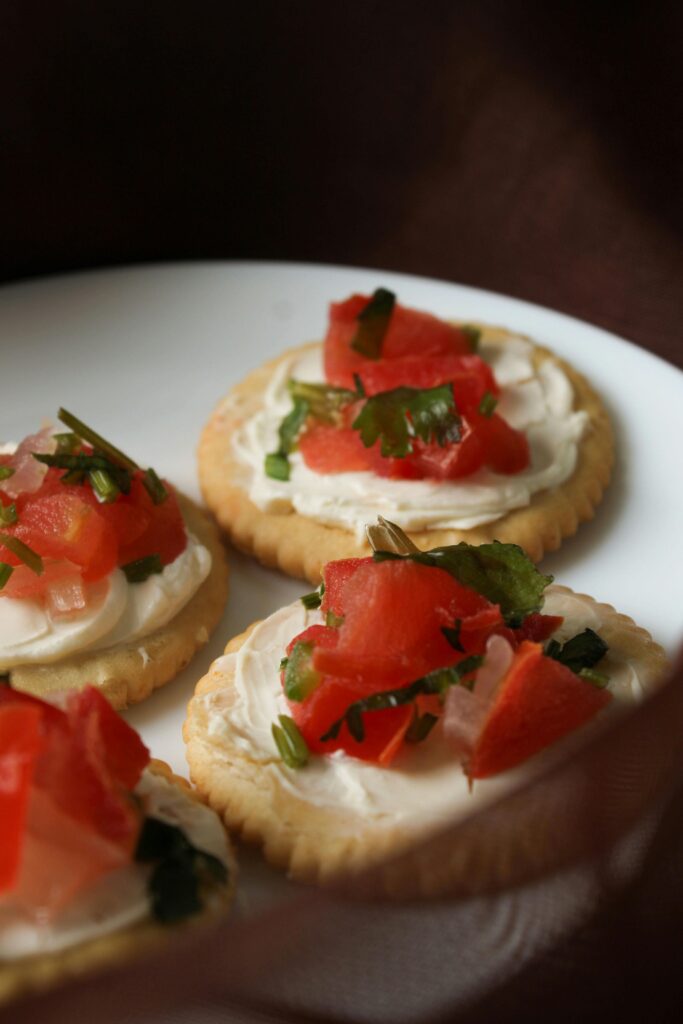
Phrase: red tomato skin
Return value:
(506, 450)
(410, 333)
(470, 376)
(329, 449)
(538, 627)
(539, 702)
(336, 575)
(165, 533)
(20, 743)
(124, 754)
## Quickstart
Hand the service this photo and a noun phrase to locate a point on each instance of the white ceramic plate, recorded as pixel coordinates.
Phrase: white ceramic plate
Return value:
(143, 355)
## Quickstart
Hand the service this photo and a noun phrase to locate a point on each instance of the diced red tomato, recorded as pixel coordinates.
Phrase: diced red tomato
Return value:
(538, 627)
(436, 462)
(506, 450)
(470, 376)
(335, 576)
(410, 333)
(329, 449)
(539, 701)
(164, 534)
(20, 742)
(103, 733)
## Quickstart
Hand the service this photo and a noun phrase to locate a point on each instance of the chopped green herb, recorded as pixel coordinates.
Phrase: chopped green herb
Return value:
(502, 573)
(312, 600)
(583, 651)
(373, 322)
(277, 463)
(438, 682)
(488, 404)
(24, 552)
(335, 621)
(81, 464)
(5, 573)
(290, 743)
(301, 679)
(103, 485)
(8, 514)
(66, 443)
(181, 874)
(141, 569)
(452, 634)
(324, 401)
(284, 662)
(396, 416)
(599, 679)
(473, 335)
(88, 434)
(420, 727)
(6, 472)
(276, 466)
(360, 390)
(154, 487)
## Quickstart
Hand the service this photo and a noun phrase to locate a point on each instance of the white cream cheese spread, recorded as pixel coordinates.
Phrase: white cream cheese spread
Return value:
(425, 783)
(118, 899)
(538, 401)
(118, 612)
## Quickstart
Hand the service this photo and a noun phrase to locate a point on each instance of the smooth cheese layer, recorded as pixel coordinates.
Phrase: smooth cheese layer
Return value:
(538, 401)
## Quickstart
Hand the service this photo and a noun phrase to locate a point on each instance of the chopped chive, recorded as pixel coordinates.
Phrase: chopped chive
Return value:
(74, 476)
(373, 322)
(66, 443)
(276, 466)
(473, 335)
(312, 600)
(5, 573)
(420, 727)
(301, 679)
(24, 552)
(290, 743)
(335, 621)
(142, 568)
(6, 472)
(154, 487)
(8, 514)
(488, 404)
(103, 485)
(88, 434)
(360, 390)
(591, 675)
(284, 662)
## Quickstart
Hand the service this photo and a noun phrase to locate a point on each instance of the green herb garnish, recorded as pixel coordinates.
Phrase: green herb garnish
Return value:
(373, 322)
(488, 404)
(27, 555)
(5, 573)
(277, 463)
(104, 486)
(154, 487)
(276, 466)
(473, 335)
(438, 682)
(395, 417)
(312, 600)
(502, 573)
(141, 569)
(335, 621)
(290, 743)
(182, 872)
(79, 465)
(301, 679)
(6, 472)
(97, 441)
(420, 727)
(66, 443)
(324, 401)
(284, 662)
(8, 514)
(452, 634)
(583, 651)
(599, 679)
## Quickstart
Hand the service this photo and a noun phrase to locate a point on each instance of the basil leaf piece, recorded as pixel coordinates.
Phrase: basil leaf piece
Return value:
(181, 874)
(154, 487)
(502, 573)
(291, 745)
(488, 404)
(301, 679)
(6, 472)
(373, 322)
(311, 601)
(5, 573)
(438, 681)
(583, 651)
(452, 634)
(141, 569)
(396, 416)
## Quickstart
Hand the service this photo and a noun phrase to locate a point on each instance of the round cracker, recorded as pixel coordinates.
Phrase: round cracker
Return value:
(45, 970)
(301, 546)
(331, 846)
(128, 673)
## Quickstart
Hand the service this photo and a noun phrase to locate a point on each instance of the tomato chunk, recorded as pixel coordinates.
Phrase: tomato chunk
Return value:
(539, 701)
(20, 742)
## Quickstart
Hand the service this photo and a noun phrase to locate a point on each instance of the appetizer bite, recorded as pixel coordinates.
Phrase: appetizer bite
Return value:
(101, 848)
(107, 575)
(455, 432)
(413, 688)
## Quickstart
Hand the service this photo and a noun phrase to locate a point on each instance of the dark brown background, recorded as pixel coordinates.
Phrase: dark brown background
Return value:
(529, 148)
